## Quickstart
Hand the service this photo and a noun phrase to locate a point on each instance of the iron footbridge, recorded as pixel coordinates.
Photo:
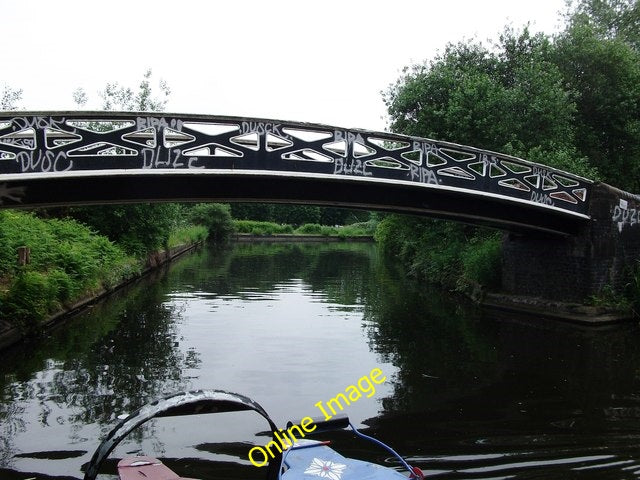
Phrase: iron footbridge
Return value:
(79, 158)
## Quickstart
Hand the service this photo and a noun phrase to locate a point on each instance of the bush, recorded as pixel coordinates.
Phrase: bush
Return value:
(30, 297)
(358, 229)
(445, 253)
(481, 261)
(216, 217)
(255, 227)
(270, 228)
(309, 229)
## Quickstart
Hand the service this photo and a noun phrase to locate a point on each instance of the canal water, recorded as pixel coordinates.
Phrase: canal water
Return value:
(468, 395)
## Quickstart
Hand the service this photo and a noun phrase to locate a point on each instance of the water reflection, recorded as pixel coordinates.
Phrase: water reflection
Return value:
(479, 395)
(201, 324)
(470, 394)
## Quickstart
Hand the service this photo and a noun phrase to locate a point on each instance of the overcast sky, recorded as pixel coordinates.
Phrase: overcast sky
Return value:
(315, 61)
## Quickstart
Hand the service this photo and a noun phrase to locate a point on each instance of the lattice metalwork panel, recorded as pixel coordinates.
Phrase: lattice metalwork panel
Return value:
(69, 143)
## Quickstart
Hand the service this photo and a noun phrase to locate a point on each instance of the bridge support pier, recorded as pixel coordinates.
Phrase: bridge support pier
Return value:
(575, 268)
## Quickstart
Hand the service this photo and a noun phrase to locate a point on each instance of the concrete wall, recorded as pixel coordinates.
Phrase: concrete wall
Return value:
(574, 268)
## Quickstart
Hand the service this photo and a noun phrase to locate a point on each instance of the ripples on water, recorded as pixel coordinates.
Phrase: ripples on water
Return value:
(469, 395)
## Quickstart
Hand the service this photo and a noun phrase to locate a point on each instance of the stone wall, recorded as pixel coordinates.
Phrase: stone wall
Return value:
(574, 268)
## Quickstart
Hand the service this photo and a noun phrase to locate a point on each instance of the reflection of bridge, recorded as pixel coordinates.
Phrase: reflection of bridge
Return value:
(66, 158)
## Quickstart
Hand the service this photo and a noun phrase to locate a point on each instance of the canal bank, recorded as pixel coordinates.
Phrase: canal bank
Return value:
(11, 335)
(287, 237)
(491, 301)
(536, 307)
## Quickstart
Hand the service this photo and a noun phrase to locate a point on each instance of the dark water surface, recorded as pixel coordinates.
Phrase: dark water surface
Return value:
(468, 395)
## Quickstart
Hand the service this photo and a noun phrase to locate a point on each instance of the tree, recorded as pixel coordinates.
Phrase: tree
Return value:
(10, 98)
(510, 99)
(570, 101)
(611, 19)
(139, 228)
(600, 63)
(117, 97)
(216, 217)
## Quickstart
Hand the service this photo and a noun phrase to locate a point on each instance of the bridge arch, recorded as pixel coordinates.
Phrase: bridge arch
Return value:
(67, 158)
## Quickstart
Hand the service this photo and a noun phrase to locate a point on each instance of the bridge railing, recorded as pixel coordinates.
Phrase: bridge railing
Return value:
(33, 145)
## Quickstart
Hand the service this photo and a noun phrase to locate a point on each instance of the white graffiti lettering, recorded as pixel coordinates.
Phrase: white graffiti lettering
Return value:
(38, 161)
(349, 137)
(28, 143)
(151, 159)
(423, 175)
(173, 159)
(488, 161)
(541, 172)
(541, 198)
(142, 123)
(260, 128)
(344, 166)
(23, 123)
(625, 216)
(424, 147)
(192, 162)
(544, 174)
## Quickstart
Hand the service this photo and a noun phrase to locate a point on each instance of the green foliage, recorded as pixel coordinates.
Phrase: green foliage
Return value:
(609, 298)
(445, 253)
(569, 102)
(481, 260)
(216, 217)
(297, 214)
(188, 235)
(252, 211)
(358, 229)
(139, 229)
(310, 229)
(342, 216)
(619, 19)
(30, 297)
(117, 97)
(510, 98)
(604, 77)
(68, 260)
(419, 244)
(255, 227)
(271, 228)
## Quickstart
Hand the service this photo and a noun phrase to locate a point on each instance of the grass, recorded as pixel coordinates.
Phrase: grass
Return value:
(188, 235)
(68, 262)
(270, 228)
(255, 227)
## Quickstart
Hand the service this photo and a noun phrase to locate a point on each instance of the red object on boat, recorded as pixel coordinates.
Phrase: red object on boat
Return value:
(139, 468)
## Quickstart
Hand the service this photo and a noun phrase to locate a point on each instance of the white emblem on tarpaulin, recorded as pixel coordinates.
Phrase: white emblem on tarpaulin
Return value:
(325, 468)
